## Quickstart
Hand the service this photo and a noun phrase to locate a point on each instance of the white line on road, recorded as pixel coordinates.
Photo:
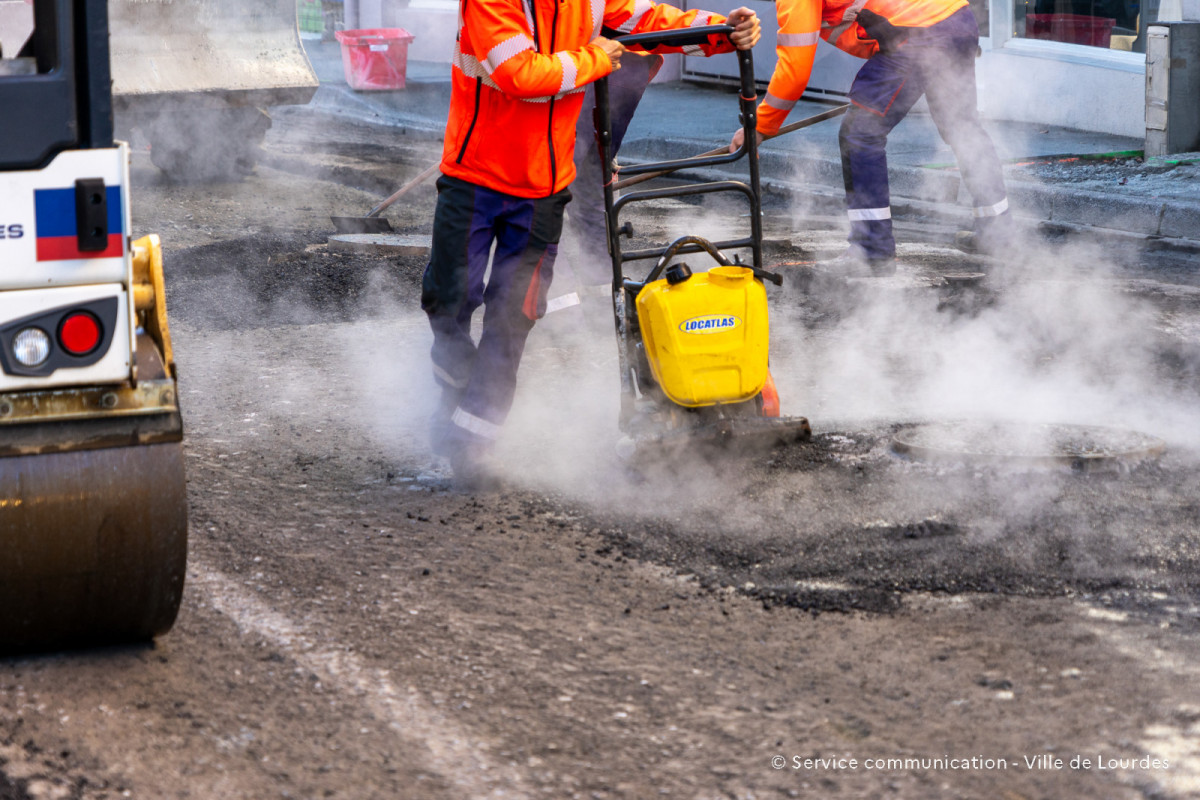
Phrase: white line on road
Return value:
(456, 756)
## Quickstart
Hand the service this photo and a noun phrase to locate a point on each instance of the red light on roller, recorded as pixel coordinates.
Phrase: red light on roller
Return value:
(79, 333)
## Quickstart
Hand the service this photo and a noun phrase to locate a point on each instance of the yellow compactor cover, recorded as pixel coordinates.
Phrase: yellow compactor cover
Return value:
(706, 337)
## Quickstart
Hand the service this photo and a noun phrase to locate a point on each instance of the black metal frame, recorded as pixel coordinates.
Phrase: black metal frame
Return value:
(747, 104)
(67, 103)
(748, 108)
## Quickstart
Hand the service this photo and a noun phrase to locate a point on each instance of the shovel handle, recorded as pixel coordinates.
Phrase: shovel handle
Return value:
(406, 188)
(636, 179)
(836, 111)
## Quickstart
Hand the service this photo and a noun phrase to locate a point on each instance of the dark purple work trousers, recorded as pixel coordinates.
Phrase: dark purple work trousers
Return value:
(938, 62)
(478, 380)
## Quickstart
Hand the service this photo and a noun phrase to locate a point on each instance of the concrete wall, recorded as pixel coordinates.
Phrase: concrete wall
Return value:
(434, 23)
(1059, 84)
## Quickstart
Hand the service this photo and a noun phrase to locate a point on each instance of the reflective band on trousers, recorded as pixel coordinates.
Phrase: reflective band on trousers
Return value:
(866, 214)
(595, 290)
(474, 424)
(991, 211)
(561, 302)
(447, 378)
(575, 298)
(797, 39)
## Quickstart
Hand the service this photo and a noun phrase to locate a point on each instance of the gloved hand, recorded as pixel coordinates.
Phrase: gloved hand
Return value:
(878, 28)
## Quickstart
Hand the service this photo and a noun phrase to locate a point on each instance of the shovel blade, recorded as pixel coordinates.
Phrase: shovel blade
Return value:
(361, 225)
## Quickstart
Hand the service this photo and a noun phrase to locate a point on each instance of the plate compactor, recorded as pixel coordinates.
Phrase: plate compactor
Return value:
(93, 515)
(693, 345)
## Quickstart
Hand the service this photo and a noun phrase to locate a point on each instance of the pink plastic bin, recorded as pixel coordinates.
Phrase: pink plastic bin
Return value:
(1072, 28)
(374, 59)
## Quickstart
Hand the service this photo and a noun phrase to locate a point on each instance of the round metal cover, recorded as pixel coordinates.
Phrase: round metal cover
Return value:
(399, 244)
(1078, 446)
(963, 278)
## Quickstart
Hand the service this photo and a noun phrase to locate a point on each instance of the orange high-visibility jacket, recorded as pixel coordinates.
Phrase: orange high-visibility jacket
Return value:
(803, 22)
(520, 68)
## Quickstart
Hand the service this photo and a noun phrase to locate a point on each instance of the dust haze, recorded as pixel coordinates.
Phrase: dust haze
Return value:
(1054, 336)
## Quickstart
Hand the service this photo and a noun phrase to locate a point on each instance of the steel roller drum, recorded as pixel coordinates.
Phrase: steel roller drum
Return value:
(93, 545)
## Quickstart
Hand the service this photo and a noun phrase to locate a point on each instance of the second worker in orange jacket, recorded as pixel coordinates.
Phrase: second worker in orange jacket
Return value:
(912, 48)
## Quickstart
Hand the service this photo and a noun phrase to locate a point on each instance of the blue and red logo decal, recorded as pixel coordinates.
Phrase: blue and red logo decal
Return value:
(57, 225)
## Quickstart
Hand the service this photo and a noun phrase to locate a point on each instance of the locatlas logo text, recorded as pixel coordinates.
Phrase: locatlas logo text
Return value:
(710, 323)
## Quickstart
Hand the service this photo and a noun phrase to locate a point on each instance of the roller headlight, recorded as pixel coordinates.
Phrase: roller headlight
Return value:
(31, 347)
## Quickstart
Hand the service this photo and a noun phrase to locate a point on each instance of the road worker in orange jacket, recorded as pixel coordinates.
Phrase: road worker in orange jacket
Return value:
(518, 76)
(912, 48)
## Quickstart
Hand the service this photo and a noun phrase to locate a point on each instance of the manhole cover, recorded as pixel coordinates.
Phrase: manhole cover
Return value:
(1079, 446)
(399, 244)
(963, 278)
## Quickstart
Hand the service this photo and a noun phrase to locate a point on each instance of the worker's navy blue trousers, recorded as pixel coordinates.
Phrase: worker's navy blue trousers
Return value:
(479, 380)
(938, 62)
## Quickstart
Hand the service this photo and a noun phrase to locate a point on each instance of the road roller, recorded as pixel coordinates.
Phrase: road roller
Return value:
(93, 514)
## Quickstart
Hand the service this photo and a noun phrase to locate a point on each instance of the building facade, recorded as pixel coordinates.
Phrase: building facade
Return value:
(1072, 63)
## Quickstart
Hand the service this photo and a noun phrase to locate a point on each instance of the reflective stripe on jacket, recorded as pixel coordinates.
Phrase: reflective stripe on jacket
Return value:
(519, 68)
(803, 22)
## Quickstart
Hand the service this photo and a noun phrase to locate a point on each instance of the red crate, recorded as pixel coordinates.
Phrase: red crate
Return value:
(375, 59)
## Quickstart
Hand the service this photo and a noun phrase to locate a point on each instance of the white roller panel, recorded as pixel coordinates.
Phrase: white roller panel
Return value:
(39, 205)
(113, 367)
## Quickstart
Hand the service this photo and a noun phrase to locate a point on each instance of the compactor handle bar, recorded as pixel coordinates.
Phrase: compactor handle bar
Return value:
(747, 103)
(678, 37)
(682, 37)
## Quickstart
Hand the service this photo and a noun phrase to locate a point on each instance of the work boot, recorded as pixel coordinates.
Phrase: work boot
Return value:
(475, 469)
(977, 244)
(855, 263)
(994, 239)
(969, 242)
